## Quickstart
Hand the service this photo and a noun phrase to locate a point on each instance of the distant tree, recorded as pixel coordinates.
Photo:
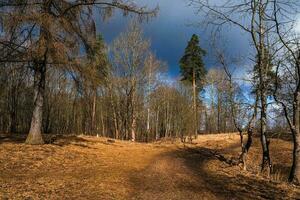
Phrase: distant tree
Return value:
(152, 68)
(95, 73)
(193, 71)
(129, 54)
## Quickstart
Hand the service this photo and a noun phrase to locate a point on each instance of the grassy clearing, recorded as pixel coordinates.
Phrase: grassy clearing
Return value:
(92, 168)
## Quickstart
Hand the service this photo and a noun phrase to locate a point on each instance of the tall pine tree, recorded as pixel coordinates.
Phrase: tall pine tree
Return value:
(193, 71)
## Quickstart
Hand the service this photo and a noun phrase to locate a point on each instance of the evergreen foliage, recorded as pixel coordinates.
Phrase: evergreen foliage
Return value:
(192, 61)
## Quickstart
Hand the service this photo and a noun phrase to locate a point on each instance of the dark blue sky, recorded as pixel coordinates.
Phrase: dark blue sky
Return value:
(170, 31)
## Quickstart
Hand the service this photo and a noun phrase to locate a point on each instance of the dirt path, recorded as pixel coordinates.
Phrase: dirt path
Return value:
(92, 168)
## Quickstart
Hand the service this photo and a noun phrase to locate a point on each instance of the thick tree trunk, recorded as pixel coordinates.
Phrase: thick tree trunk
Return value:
(47, 122)
(250, 127)
(35, 135)
(295, 170)
(246, 147)
(263, 64)
(266, 161)
(241, 138)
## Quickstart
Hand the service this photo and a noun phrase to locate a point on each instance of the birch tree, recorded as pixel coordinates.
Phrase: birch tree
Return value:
(129, 53)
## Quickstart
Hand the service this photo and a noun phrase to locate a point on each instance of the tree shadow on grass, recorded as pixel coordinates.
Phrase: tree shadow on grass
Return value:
(63, 141)
(193, 176)
(12, 138)
(58, 140)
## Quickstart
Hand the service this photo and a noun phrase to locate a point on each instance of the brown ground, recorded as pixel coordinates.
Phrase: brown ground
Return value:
(92, 168)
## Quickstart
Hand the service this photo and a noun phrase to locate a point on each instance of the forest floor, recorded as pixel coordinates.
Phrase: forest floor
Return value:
(93, 168)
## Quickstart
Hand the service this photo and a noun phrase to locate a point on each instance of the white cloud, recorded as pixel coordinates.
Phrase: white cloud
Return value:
(297, 25)
(167, 79)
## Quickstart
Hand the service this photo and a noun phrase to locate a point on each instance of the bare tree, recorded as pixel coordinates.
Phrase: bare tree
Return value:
(289, 63)
(152, 68)
(238, 110)
(129, 53)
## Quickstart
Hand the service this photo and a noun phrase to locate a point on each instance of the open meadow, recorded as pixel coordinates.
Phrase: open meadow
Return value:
(93, 168)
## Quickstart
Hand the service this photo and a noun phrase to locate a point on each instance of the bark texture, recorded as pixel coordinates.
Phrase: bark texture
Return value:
(35, 135)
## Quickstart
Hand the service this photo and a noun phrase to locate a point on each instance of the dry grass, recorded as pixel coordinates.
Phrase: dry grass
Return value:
(92, 168)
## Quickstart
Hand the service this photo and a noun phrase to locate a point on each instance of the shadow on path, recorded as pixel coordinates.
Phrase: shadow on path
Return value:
(195, 173)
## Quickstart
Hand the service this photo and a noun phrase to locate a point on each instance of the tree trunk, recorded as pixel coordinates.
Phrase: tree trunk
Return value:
(148, 99)
(206, 121)
(13, 112)
(157, 134)
(47, 122)
(133, 128)
(102, 123)
(35, 135)
(218, 114)
(295, 170)
(93, 120)
(167, 120)
(195, 104)
(266, 161)
(133, 120)
(148, 121)
(115, 116)
(116, 125)
(246, 147)
(13, 102)
(263, 64)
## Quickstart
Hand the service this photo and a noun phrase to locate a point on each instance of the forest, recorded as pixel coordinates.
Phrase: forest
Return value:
(84, 117)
